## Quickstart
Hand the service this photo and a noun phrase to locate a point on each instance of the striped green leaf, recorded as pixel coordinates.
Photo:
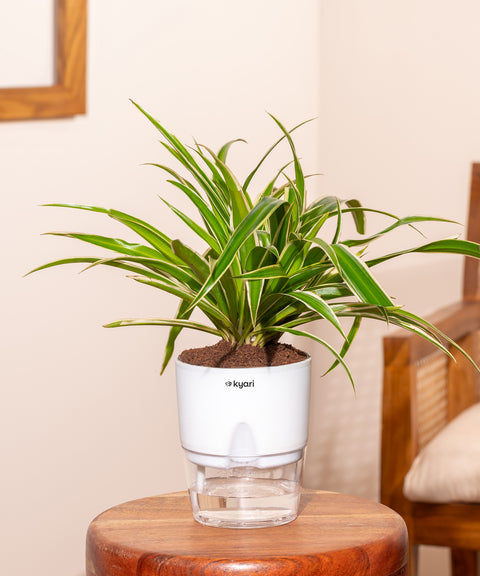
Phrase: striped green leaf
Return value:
(201, 232)
(246, 228)
(358, 277)
(449, 246)
(115, 244)
(165, 322)
(315, 303)
(182, 314)
(408, 221)
(324, 343)
(264, 273)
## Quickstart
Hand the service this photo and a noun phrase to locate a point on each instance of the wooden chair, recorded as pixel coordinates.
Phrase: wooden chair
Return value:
(424, 390)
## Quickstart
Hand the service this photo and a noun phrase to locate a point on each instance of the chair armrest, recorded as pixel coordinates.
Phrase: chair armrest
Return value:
(423, 389)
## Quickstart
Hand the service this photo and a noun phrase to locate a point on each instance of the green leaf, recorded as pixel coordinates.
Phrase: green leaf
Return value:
(408, 317)
(332, 291)
(200, 268)
(161, 269)
(311, 272)
(279, 225)
(348, 342)
(181, 153)
(222, 153)
(182, 314)
(295, 332)
(167, 322)
(217, 180)
(115, 244)
(409, 220)
(264, 273)
(277, 309)
(293, 255)
(311, 232)
(267, 154)
(393, 315)
(330, 253)
(315, 303)
(338, 229)
(193, 260)
(201, 232)
(270, 189)
(157, 239)
(357, 276)
(213, 312)
(449, 246)
(299, 177)
(245, 229)
(167, 271)
(240, 202)
(358, 215)
(215, 225)
(64, 261)
(325, 205)
(259, 258)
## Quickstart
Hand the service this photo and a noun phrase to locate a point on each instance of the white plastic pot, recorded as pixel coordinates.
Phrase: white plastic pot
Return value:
(244, 431)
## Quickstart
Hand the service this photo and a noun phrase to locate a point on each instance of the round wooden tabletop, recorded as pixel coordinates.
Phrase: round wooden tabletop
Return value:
(335, 534)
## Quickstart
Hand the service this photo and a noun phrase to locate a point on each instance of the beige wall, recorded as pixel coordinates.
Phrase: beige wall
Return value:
(86, 422)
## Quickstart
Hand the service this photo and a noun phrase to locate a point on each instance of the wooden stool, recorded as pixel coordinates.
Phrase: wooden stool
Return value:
(335, 534)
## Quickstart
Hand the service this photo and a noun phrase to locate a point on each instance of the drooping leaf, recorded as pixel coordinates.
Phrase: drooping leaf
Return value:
(408, 221)
(318, 305)
(449, 246)
(324, 343)
(222, 153)
(182, 314)
(157, 239)
(165, 322)
(358, 215)
(115, 244)
(348, 342)
(214, 313)
(358, 277)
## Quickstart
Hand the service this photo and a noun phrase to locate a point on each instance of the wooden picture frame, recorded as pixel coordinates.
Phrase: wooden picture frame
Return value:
(67, 96)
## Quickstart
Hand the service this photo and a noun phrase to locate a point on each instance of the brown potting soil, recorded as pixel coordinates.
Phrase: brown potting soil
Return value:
(225, 355)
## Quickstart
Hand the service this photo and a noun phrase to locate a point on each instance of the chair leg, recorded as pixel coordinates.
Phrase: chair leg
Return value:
(464, 562)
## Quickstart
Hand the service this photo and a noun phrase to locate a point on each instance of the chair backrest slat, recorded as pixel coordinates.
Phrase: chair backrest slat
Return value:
(471, 274)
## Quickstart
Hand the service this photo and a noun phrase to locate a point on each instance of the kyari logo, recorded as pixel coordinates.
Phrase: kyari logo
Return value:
(240, 384)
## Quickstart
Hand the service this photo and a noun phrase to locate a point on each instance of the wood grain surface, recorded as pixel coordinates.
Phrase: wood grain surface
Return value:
(334, 534)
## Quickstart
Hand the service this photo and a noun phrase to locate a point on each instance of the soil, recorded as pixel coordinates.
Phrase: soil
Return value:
(226, 355)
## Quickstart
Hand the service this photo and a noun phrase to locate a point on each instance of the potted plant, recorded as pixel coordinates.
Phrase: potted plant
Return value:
(266, 267)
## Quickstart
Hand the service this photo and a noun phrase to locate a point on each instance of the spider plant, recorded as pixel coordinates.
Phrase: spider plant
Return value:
(266, 268)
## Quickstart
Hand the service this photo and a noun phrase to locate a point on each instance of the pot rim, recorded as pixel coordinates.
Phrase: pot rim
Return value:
(290, 366)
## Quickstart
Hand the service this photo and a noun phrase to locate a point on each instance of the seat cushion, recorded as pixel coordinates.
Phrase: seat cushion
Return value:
(448, 468)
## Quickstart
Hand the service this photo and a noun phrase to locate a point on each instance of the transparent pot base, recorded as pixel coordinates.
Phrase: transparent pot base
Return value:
(245, 497)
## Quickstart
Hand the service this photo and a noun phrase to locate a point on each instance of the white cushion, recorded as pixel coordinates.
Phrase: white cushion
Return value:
(448, 468)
